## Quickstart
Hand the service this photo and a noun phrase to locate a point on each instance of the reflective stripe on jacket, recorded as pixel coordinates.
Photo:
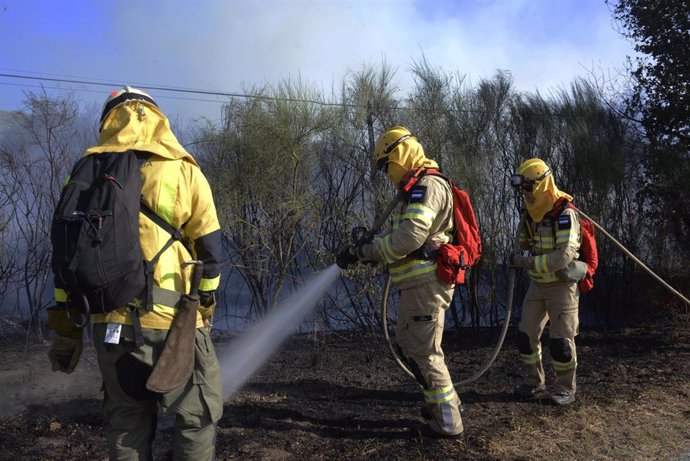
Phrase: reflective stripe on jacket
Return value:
(552, 244)
(428, 221)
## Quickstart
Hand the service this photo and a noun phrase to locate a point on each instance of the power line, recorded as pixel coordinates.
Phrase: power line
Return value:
(175, 89)
(203, 92)
(82, 81)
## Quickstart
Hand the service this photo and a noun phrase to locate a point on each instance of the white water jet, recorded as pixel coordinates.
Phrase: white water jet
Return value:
(247, 353)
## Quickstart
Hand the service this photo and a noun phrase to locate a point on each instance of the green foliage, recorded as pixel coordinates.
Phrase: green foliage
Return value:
(292, 173)
(660, 99)
(660, 30)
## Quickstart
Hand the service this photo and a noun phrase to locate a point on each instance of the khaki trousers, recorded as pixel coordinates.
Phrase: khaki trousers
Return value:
(558, 303)
(130, 411)
(419, 333)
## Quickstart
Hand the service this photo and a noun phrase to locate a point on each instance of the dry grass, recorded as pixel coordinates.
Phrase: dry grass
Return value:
(654, 426)
(354, 404)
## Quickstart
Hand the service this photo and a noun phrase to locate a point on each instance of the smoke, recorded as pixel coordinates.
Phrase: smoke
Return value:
(247, 353)
(27, 380)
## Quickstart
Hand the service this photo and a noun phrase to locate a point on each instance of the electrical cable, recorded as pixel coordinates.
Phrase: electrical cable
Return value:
(175, 89)
(60, 78)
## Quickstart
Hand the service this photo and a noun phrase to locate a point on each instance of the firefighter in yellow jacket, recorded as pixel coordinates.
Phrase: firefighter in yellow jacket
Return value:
(177, 191)
(425, 221)
(551, 236)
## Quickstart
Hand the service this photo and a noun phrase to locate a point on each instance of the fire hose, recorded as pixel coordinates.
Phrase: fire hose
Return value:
(361, 235)
(509, 302)
(634, 259)
(512, 272)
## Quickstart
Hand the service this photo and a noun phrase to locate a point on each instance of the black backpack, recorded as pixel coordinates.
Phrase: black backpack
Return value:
(95, 233)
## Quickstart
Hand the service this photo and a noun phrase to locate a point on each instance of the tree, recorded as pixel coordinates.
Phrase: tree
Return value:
(355, 193)
(34, 171)
(660, 100)
(260, 165)
(661, 76)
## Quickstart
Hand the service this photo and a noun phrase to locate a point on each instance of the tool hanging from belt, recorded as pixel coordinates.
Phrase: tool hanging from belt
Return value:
(176, 362)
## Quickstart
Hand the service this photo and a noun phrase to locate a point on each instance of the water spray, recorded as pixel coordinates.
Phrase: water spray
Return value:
(249, 352)
(252, 350)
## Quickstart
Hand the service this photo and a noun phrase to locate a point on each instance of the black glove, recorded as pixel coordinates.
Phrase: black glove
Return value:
(519, 260)
(206, 298)
(346, 257)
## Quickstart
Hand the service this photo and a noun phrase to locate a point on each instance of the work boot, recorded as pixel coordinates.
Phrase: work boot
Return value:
(563, 399)
(432, 430)
(526, 391)
(426, 413)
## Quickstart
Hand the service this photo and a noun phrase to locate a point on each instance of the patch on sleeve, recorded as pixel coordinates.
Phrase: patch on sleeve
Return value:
(417, 194)
(564, 222)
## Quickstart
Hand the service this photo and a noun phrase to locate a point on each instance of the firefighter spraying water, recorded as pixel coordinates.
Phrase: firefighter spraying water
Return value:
(425, 261)
(411, 250)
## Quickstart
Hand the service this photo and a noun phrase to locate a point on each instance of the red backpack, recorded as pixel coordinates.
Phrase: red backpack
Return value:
(588, 247)
(454, 258)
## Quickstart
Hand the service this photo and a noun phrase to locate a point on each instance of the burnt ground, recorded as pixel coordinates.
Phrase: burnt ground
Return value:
(341, 397)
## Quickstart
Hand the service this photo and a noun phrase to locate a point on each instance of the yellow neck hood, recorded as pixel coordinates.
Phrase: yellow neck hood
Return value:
(138, 125)
(407, 156)
(545, 196)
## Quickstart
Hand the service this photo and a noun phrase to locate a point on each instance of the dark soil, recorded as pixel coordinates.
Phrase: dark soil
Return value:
(342, 397)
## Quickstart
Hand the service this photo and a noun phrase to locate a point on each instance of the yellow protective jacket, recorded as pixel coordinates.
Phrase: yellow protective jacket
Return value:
(175, 188)
(553, 243)
(425, 219)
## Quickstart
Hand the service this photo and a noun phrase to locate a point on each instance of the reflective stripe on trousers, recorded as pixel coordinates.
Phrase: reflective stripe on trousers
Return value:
(557, 304)
(419, 334)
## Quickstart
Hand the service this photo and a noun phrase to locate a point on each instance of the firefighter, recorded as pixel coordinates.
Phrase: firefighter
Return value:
(425, 221)
(550, 233)
(176, 189)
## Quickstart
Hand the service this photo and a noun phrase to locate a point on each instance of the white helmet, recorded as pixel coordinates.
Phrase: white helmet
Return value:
(118, 97)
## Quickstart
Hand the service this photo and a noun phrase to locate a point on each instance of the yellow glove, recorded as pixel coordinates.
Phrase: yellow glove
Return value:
(66, 348)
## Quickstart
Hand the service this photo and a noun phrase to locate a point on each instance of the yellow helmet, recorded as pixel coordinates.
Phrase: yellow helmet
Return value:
(529, 173)
(120, 96)
(388, 142)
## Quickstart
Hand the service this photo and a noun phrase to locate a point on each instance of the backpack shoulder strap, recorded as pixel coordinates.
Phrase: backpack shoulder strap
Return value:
(175, 234)
(410, 179)
(165, 225)
(143, 156)
(433, 172)
(558, 207)
(412, 176)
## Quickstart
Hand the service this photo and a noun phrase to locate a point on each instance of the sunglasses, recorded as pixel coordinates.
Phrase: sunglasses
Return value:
(382, 164)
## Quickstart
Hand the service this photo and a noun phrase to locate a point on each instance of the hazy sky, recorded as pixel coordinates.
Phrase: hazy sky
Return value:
(229, 45)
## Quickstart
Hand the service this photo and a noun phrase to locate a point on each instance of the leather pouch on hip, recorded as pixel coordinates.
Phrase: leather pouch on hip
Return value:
(573, 272)
(176, 362)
